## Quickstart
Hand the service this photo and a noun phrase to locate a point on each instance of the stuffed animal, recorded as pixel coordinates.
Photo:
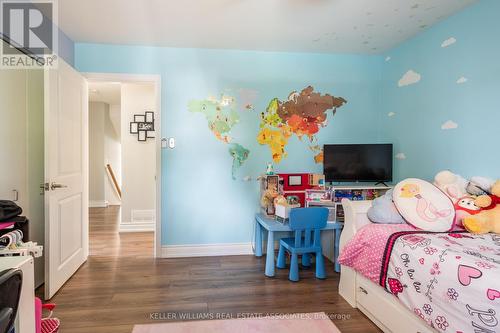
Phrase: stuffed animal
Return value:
(280, 200)
(488, 220)
(480, 186)
(267, 201)
(464, 207)
(453, 185)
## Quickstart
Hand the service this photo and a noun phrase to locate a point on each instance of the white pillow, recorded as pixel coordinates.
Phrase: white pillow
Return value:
(423, 205)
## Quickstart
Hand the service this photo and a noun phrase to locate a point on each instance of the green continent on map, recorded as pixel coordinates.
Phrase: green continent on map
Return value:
(239, 155)
(222, 115)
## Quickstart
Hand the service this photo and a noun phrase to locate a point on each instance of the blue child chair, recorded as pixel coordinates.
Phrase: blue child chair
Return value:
(307, 221)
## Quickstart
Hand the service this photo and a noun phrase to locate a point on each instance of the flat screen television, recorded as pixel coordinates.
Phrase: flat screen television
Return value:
(358, 163)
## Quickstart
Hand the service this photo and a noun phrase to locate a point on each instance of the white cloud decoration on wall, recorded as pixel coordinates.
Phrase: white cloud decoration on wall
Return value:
(450, 124)
(410, 77)
(391, 114)
(400, 156)
(448, 42)
(388, 59)
(462, 80)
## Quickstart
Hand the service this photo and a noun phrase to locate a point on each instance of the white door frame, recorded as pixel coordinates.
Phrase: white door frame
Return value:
(156, 80)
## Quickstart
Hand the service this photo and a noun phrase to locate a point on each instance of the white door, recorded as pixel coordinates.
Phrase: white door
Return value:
(66, 169)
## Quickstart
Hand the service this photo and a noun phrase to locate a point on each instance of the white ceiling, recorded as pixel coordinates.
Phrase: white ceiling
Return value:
(106, 92)
(336, 26)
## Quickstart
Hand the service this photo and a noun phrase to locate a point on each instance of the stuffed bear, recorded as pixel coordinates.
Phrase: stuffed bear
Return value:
(488, 220)
(453, 185)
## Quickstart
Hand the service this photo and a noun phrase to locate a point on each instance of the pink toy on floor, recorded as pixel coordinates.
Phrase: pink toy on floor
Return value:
(48, 324)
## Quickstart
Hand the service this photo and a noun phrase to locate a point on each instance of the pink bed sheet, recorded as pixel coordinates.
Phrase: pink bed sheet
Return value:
(365, 250)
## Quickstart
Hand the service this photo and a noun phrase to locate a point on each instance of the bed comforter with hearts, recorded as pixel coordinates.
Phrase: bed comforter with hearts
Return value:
(450, 280)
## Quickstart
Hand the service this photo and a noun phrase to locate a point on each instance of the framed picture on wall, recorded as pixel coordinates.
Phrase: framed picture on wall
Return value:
(139, 118)
(150, 116)
(134, 127)
(143, 126)
(141, 136)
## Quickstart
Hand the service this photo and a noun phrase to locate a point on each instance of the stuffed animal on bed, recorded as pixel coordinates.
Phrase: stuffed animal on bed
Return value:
(464, 207)
(488, 220)
(453, 185)
(480, 186)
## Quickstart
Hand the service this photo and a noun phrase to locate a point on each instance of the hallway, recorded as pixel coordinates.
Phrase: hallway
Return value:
(106, 241)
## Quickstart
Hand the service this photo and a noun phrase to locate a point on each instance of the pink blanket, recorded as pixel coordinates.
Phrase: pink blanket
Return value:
(365, 250)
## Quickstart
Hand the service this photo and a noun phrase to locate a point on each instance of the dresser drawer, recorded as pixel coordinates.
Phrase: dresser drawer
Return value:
(386, 309)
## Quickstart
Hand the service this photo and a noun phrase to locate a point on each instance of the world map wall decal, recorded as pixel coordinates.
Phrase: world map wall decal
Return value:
(302, 114)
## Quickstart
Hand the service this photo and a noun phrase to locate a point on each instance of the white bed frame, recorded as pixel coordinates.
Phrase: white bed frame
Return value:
(382, 308)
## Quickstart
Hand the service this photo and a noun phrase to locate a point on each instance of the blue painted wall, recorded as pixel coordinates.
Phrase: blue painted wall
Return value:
(201, 203)
(422, 108)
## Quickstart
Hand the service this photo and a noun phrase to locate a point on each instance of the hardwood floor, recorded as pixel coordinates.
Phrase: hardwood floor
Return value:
(122, 285)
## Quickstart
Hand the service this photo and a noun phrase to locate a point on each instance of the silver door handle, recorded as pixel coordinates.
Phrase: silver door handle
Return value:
(54, 186)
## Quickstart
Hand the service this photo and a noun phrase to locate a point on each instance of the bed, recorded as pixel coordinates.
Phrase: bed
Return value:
(407, 280)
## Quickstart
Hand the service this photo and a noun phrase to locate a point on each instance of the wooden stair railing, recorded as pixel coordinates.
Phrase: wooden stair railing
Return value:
(113, 178)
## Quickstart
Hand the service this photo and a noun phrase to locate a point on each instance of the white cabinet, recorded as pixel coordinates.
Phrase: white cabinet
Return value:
(25, 321)
(22, 147)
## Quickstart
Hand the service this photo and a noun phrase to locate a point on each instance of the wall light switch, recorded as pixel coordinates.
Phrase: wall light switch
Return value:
(171, 143)
(168, 143)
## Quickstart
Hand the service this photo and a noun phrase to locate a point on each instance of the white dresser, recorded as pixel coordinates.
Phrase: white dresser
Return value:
(25, 321)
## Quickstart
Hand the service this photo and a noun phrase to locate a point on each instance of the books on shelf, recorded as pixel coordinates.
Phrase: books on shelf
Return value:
(331, 198)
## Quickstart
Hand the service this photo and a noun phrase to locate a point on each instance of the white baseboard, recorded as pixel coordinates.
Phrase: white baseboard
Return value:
(98, 203)
(212, 250)
(136, 226)
(206, 250)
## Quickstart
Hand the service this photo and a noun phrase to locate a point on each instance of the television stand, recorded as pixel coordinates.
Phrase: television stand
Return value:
(381, 183)
(336, 211)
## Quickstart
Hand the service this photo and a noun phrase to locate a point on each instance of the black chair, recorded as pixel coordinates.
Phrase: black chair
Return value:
(11, 281)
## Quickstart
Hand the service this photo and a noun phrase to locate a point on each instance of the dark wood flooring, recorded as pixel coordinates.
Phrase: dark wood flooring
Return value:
(121, 285)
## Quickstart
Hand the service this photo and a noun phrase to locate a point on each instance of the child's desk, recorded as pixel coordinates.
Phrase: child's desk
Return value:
(263, 222)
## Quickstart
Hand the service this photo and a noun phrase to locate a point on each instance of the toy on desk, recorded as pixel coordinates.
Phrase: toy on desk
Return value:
(318, 195)
(295, 184)
(269, 191)
(283, 208)
(269, 169)
(267, 201)
(317, 180)
(280, 200)
(357, 195)
(293, 200)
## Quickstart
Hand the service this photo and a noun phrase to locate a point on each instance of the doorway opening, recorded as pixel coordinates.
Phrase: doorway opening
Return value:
(123, 165)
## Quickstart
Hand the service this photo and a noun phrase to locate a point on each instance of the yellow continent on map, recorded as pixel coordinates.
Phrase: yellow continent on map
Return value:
(303, 114)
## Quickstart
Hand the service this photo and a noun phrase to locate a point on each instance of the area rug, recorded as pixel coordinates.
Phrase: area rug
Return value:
(283, 323)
